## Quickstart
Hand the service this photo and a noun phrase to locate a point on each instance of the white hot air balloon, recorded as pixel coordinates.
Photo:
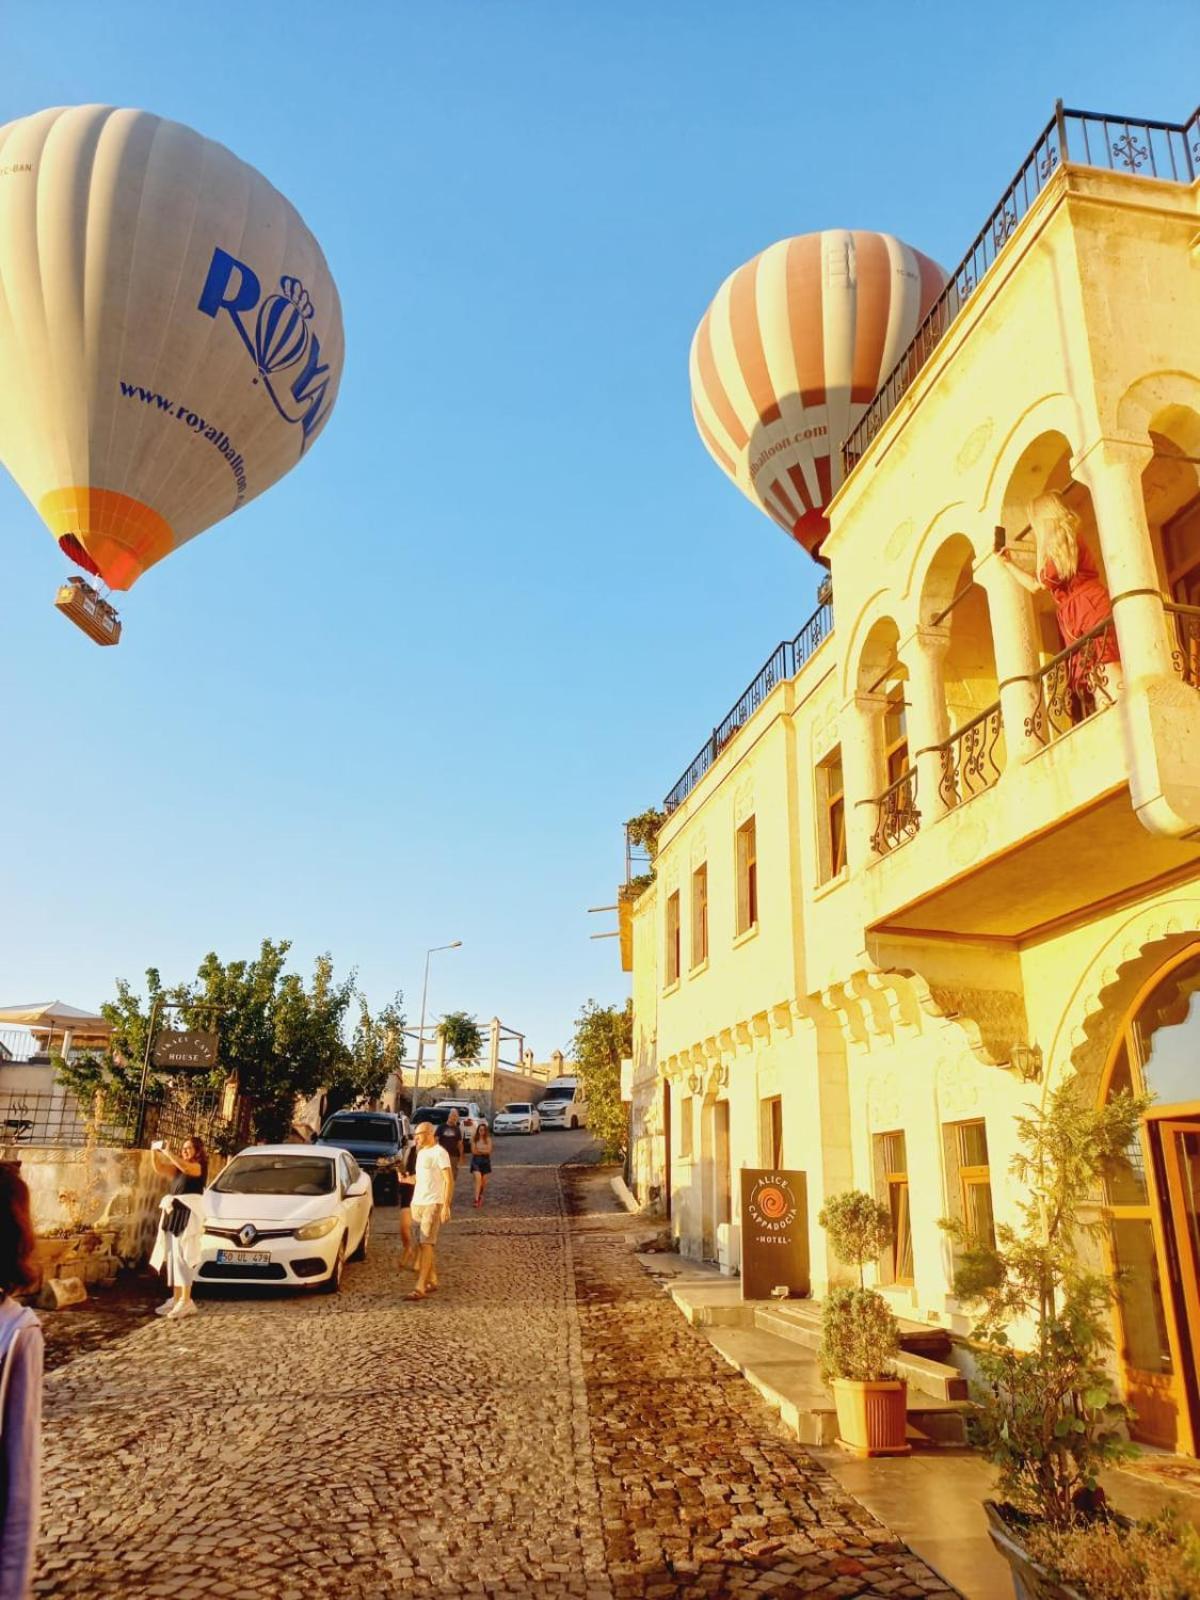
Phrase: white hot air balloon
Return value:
(170, 336)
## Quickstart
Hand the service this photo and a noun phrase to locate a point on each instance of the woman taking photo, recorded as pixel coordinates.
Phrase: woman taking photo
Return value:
(188, 1172)
(481, 1158)
(20, 1393)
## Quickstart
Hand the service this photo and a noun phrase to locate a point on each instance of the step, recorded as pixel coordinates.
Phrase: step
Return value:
(789, 1380)
(801, 1323)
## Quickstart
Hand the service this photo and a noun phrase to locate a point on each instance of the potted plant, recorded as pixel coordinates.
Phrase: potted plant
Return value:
(859, 1337)
(1048, 1417)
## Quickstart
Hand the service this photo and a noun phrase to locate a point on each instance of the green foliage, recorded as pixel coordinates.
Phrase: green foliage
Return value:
(1156, 1560)
(858, 1336)
(1048, 1419)
(462, 1037)
(603, 1039)
(642, 830)
(859, 1228)
(376, 1050)
(636, 886)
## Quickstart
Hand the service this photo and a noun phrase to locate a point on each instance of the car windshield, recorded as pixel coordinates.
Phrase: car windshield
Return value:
(559, 1094)
(276, 1175)
(519, 1111)
(363, 1130)
(437, 1117)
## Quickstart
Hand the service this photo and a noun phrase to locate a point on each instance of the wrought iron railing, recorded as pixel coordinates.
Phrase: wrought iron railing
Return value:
(1074, 684)
(56, 1118)
(1088, 138)
(897, 818)
(1185, 648)
(785, 661)
(972, 757)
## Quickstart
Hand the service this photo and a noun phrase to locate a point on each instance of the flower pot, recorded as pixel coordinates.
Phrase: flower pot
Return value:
(872, 1417)
(1030, 1579)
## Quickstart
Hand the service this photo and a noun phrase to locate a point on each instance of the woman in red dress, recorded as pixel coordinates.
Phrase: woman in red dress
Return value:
(1065, 566)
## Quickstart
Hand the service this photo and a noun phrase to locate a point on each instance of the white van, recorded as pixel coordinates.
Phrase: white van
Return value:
(563, 1105)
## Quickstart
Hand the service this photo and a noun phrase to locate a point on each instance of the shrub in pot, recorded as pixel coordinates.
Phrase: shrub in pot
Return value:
(1048, 1418)
(859, 1336)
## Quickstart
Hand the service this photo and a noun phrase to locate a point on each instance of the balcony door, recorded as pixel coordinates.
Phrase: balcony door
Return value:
(1154, 1209)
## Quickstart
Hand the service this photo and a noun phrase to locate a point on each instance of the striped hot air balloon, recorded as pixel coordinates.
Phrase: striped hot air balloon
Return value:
(789, 355)
(170, 335)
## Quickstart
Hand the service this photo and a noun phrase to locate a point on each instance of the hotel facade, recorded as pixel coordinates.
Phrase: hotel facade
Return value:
(932, 864)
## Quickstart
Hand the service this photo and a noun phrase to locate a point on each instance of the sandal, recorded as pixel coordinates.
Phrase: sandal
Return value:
(415, 1295)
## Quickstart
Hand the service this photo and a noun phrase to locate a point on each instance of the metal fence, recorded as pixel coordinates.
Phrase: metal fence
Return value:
(1087, 138)
(56, 1118)
(785, 661)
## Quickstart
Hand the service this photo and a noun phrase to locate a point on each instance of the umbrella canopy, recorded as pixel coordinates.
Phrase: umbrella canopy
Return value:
(53, 1016)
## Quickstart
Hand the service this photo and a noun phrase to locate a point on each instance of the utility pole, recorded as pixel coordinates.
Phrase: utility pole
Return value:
(455, 944)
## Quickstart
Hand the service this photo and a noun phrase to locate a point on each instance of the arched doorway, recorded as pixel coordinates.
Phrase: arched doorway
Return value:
(1153, 1206)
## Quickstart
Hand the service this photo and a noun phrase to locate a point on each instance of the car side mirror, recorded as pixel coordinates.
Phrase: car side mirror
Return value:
(360, 1185)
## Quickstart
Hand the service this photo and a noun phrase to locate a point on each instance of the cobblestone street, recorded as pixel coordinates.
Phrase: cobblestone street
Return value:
(546, 1425)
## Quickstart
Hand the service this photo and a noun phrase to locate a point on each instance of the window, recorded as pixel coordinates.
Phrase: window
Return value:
(673, 938)
(895, 734)
(891, 1158)
(685, 1128)
(969, 1178)
(772, 1133)
(832, 800)
(747, 877)
(700, 915)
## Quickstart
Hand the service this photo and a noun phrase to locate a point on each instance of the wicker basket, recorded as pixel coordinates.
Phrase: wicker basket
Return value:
(80, 602)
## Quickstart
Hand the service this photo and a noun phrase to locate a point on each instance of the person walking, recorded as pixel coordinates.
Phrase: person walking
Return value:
(189, 1176)
(481, 1159)
(432, 1194)
(20, 1392)
(406, 1180)
(451, 1140)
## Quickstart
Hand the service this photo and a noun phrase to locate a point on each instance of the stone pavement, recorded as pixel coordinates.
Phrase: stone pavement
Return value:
(547, 1425)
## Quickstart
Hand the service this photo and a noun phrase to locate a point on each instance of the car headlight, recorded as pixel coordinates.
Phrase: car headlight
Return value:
(317, 1230)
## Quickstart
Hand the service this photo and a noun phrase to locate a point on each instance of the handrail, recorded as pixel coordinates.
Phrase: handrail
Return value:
(898, 818)
(1072, 686)
(785, 661)
(1143, 144)
(1185, 657)
(969, 760)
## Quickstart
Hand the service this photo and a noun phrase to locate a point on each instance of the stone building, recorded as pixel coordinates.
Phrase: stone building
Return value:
(935, 864)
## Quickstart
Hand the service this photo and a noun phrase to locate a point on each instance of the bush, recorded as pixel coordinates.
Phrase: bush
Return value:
(858, 1336)
(1157, 1560)
(859, 1228)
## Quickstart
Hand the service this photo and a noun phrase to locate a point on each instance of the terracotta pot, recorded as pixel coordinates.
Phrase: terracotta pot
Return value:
(872, 1417)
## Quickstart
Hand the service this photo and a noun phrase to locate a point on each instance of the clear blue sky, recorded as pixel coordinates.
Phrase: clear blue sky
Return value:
(411, 694)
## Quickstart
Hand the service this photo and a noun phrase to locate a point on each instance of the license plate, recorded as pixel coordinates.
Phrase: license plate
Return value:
(243, 1258)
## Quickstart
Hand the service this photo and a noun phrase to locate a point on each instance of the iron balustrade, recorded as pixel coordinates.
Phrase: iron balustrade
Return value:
(57, 1119)
(785, 661)
(971, 758)
(1185, 649)
(1086, 138)
(1073, 685)
(897, 817)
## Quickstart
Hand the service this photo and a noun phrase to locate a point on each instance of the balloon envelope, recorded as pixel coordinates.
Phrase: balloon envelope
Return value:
(790, 353)
(170, 335)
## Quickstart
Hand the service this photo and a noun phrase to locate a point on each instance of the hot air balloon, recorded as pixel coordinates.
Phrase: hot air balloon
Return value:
(790, 353)
(170, 337)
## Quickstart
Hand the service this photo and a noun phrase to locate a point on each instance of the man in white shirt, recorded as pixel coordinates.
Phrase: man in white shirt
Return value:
(430, 1205)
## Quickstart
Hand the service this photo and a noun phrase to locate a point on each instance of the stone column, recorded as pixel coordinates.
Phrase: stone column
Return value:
(1112, 470)
(1016, 644)
(924, 654)
(861, 730)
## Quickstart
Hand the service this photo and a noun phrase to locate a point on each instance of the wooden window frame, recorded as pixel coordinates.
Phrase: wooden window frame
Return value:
(833, 815)
(772, 1147)
(895, 752)
(699, 914)
(746, 868)
(972, 1175)
(897, 1180)
(673, 948)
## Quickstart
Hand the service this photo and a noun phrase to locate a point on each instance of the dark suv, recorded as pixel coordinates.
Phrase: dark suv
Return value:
(376, 1140)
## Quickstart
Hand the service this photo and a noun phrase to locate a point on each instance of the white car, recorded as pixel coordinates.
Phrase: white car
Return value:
(286, 1213)
(469, 1117)
(520, 1117)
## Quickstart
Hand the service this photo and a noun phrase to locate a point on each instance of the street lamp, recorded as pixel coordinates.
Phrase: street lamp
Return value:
(455, 944)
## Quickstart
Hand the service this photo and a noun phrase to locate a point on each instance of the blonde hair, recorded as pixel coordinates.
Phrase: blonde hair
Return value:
(1055, 532)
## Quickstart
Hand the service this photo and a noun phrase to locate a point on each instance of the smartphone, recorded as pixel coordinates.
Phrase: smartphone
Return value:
(158, 1144)
(999, 538)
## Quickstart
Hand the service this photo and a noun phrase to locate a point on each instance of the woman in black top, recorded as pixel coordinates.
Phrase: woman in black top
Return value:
(188, 1172)
(406, 1182)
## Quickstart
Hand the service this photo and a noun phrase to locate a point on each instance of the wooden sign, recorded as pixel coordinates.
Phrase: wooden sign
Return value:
(774, 1233)
(176, 1051)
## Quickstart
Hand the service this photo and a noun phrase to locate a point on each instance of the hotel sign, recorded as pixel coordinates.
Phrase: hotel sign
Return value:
(177, 1051)
(774, 1232)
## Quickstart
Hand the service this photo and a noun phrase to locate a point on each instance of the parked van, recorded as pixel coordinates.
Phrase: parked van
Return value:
(563, 1105)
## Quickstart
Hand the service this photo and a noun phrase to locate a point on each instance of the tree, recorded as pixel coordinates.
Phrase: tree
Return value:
(375, 1052)
(859, 1228)
(461, 1035)
(603, 1039)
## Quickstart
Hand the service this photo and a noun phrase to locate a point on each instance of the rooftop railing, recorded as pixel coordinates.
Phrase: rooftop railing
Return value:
(1087, 138)
(785, 661)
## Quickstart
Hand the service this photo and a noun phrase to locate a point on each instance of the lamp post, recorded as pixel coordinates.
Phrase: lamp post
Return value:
(454, 944)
